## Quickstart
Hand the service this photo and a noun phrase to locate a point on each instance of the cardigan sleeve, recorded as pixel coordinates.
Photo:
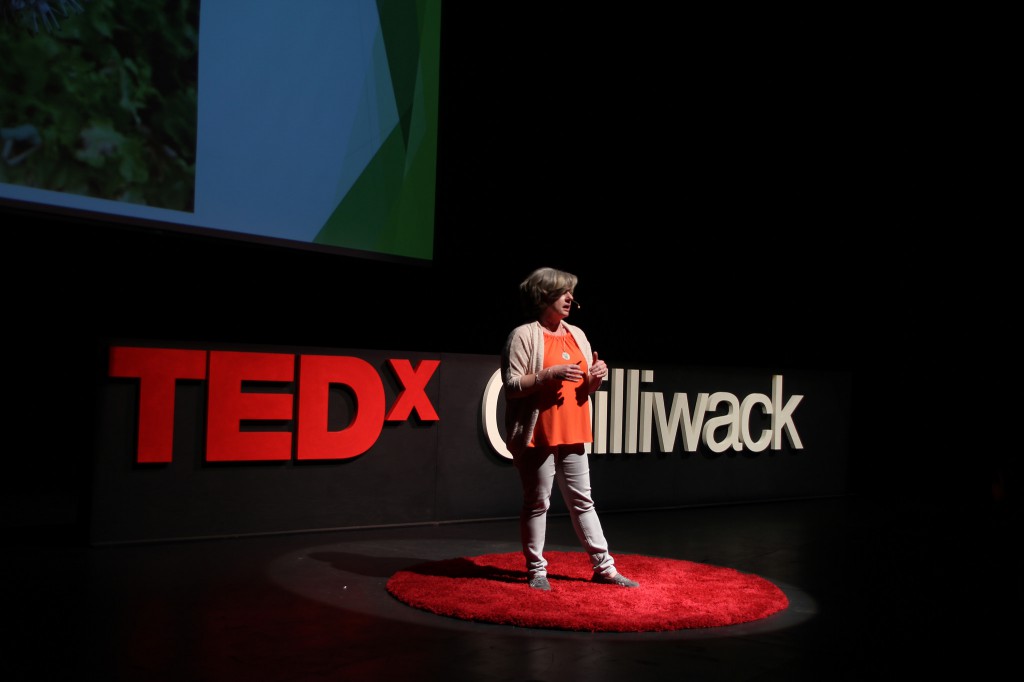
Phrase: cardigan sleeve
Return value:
(517, 361)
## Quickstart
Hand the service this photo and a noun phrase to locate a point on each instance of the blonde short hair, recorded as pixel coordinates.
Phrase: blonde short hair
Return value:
(543, 286)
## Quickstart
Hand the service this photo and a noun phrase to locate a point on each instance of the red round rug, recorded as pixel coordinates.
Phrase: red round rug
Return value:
(672, 595)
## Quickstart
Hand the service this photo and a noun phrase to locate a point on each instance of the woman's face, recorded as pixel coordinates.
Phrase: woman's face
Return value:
(560, 307)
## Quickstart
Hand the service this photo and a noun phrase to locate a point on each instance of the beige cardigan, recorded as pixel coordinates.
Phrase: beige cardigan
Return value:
(524, 354)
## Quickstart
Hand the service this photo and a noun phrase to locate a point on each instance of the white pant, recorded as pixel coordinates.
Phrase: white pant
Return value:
(538, 468)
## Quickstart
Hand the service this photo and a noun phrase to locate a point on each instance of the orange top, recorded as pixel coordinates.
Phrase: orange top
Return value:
(564, 414)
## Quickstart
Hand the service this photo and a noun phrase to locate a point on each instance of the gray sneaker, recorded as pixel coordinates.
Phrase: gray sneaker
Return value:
(617, 579)
(540, 583)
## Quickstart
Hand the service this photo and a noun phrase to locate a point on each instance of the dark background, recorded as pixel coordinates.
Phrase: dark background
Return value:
(762, 191)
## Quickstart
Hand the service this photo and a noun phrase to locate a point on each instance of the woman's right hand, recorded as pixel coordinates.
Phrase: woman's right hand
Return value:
(571, 373)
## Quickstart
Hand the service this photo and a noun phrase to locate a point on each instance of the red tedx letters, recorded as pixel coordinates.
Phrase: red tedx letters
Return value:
(159, 369)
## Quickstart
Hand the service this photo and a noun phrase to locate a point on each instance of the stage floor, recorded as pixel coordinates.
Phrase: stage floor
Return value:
(877, 589)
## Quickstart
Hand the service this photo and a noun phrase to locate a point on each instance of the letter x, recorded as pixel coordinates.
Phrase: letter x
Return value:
(413, 397)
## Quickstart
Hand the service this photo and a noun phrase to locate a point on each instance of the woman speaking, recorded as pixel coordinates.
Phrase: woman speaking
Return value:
(549, 371)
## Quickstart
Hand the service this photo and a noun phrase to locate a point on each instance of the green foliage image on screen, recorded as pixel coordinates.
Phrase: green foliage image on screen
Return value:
(99, 99)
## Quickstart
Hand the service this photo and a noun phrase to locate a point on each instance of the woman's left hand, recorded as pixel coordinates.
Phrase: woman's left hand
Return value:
(598, 368)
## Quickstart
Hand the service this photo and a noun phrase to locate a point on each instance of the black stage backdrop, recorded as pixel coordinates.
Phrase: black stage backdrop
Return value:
(443, 467)
(731, 191)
